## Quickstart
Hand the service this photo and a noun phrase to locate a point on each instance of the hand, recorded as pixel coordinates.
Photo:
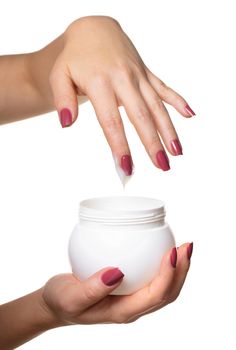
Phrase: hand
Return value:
(99, 60)
(71, 301)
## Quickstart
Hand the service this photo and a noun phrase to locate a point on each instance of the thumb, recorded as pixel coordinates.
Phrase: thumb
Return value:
(95, 288)
(65, 96)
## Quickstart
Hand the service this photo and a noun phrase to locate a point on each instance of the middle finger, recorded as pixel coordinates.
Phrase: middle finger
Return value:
(141, 118)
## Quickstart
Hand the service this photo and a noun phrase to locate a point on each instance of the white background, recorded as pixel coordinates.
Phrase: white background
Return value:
(45, 170)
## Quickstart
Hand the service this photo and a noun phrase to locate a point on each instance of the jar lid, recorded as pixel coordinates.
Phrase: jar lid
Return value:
(122, 210)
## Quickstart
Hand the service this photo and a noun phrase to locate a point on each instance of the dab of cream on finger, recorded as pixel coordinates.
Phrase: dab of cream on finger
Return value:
(124, 168)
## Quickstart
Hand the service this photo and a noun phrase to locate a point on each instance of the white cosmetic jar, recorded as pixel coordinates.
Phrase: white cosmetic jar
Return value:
(125, 232)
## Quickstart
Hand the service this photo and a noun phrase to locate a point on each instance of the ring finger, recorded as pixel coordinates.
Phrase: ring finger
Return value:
(161, 118)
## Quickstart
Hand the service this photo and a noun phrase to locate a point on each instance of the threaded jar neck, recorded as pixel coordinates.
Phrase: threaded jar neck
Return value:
(118, 211)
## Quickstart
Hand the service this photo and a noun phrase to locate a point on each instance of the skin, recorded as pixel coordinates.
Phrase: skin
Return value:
(96, 59)
(65, 300)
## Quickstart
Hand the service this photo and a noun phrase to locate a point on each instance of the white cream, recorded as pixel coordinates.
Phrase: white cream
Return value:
(123, 177)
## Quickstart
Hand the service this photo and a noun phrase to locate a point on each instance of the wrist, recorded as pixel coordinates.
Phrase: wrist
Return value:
(25, 318)
(47, 318)
(39, 66)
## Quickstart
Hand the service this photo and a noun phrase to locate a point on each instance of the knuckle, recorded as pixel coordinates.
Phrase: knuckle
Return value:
(165, 297)
(99, 80)
(133, 319)
(112, 19)
(153, 143)
(143, 114)
(156, 301)
(157, 105)
(121, 318)
(90, 293)
(112, 124)
(124, 74)
(64, 99)
(125, 70)
(162, 86)
(173, 297)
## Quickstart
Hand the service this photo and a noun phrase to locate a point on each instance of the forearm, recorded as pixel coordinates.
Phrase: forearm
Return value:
(25, 88)
(23, 319)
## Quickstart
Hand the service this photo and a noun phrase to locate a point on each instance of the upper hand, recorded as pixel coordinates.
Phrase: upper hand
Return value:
(99, 60)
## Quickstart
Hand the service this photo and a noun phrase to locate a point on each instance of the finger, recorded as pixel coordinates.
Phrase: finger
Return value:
(65, 96)
(162, 119)
(105, 106)
(82, 295)
(142, 120)
(154, 295)
(184, 257)
(170, 96)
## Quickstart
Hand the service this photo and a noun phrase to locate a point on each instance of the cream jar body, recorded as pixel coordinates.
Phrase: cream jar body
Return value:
(125, 232)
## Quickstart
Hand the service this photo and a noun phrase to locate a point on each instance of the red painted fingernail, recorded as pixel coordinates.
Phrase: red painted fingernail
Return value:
(173, 257)
(163, 160)
(190, 250)
(65, 117)
(126, 164)
(111, 277)
(176, 147)
(189, 110)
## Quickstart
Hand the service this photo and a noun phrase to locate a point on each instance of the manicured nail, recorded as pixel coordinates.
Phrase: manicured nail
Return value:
(189, 110)
(111, 277)
(163, 160)
(124, 167)
(65, 117)
(126, 164)
(176, 147)
(190, 250)
(173, 257)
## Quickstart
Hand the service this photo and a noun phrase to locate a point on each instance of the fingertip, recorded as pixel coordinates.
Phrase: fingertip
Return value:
(189, 111)
(162, 160)
(65, 97)
(173, 257)
(176, 148)
(112, 277)
(167, 271)
(99, 285)
(169, 260)
(65, 116)
(185, 252)
(189, 250)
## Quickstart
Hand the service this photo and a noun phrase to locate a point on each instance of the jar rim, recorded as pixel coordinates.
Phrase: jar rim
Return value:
(122, 209)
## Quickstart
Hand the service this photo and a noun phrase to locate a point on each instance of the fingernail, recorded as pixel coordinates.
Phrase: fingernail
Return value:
(190, 250)
(126, 164)
(189, 110)
(124, 168)
(111, 277)
(176, 147)
(162, 160)
(65, 117)
(173, 257)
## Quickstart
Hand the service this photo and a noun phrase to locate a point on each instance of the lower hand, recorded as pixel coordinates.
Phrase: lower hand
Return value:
(70, 301)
